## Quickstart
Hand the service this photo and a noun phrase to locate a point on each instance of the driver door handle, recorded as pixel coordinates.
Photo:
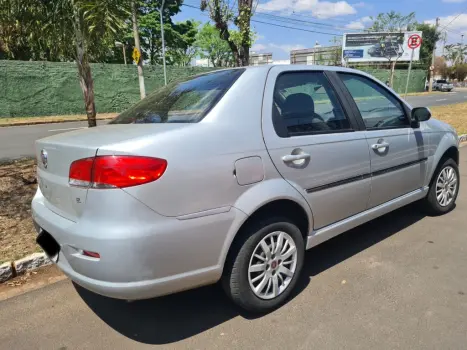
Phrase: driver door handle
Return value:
(295, 157)
(377, 146)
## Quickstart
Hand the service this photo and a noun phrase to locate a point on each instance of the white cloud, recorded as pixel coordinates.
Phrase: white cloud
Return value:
(258, 47)
(318, 8)
(454, 22)
(359, 4)
(454, 1)
(359, 24)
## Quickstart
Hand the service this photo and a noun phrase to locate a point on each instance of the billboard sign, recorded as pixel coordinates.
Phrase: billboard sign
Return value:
(378, 47)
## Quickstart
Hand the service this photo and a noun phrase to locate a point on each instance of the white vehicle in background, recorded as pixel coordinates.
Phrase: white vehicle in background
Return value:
(442, 85)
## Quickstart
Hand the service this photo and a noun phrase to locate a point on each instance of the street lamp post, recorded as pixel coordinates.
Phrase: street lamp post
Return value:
(123, 46)
(161, 9)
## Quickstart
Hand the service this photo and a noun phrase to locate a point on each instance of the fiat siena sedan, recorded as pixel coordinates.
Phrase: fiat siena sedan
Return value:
(230, 176)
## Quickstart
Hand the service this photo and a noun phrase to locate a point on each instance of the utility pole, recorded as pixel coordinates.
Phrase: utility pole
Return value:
(430, 85)
(161, 10)
(461, 56)
(142, 89)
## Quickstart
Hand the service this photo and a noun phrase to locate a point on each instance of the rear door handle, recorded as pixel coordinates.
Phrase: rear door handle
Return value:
(377, 146)
(295, 157)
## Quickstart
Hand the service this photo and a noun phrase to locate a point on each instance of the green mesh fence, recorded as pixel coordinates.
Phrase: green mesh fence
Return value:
(51, 88)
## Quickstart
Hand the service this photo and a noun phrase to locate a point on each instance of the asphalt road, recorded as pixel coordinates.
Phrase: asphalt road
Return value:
(18, 141)
(439, 99)
(399, 282)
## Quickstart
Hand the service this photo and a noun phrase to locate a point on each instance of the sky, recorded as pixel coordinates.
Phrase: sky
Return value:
(320, 21)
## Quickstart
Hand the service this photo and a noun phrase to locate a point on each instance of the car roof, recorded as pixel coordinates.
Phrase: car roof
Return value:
(292, 67)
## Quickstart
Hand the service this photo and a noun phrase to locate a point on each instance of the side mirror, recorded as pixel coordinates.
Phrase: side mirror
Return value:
(420, 114)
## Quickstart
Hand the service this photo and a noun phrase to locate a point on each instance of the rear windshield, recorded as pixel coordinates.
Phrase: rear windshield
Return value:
(442, 82)
(186, 101)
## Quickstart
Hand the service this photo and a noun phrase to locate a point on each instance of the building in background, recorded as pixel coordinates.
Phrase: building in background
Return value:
(202, 62)
(258, 59)
(281, 62)
(318, 55)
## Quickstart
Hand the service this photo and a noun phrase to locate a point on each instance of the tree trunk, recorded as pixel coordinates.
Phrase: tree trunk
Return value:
(84, 71)
(391, 78)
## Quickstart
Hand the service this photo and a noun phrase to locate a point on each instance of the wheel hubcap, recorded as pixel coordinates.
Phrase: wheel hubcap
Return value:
(272, 265)
(446, 186)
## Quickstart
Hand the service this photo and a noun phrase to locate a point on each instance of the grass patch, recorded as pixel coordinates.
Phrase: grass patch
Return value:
(425, 93)
(12, 121)
(455, 115)
(17, 187)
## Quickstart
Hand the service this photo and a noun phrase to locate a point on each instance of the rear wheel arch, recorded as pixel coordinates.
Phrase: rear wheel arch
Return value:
(281, 208)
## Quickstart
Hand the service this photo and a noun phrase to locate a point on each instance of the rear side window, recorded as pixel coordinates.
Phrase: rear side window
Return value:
(305, 103)
(185, 101)
(378, 107)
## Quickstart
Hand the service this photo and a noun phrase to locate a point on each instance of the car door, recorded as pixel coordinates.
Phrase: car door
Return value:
(397, 150)
(315, 144)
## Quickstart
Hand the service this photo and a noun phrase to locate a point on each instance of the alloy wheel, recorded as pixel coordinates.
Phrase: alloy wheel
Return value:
(272, 265)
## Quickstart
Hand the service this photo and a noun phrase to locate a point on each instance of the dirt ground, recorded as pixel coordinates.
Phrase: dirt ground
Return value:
(17, 187)
(31, 280)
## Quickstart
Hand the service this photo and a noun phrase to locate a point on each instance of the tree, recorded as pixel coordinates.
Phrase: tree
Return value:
(393, 22)
(461, 71)
(212, 47)
(455, 53)
(430, 37)
(440, 67)
(336, 54)
(85, 23)
(182, 49)
(222, 14)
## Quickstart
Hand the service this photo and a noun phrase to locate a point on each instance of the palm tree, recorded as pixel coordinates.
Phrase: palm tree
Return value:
(455, 53)
(87, 24)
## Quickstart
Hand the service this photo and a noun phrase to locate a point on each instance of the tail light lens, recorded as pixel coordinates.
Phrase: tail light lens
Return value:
(116, 171)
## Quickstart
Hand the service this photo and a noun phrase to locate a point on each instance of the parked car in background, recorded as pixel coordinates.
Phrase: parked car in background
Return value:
(230, 176)
(442, 85)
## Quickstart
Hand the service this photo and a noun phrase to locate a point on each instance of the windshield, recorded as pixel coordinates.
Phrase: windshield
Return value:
(186, 101)
(442, 82)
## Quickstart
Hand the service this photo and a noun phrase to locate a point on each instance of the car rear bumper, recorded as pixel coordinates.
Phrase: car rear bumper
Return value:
(142, 254)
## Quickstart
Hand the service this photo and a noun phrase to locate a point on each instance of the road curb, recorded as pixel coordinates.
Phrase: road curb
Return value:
(46, 122)
(18, 267)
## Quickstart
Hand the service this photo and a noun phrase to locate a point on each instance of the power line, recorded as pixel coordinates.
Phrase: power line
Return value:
(295, 21)
(279, 25)
(301, 29)
(447, 25)
(303, 22)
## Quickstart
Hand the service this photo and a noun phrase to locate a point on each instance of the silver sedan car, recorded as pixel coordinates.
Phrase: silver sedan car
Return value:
(230, 176)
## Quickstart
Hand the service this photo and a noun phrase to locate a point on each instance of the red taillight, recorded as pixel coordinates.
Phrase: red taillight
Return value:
(91, 254)
(116, 171)
(81, 172)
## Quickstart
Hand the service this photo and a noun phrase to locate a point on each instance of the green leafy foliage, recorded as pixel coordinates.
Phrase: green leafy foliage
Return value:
(393, 22)
(212, 47)
(223, 15)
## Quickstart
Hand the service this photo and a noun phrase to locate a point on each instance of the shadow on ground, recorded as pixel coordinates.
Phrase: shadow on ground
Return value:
(179, 316)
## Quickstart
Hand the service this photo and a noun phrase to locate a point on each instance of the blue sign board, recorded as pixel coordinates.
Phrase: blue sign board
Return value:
(353, 53)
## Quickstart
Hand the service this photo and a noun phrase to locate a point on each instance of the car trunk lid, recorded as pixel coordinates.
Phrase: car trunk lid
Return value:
(56, 153)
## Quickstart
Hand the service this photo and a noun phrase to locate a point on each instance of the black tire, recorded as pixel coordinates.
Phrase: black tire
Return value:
(235, 278)
(431, 202)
